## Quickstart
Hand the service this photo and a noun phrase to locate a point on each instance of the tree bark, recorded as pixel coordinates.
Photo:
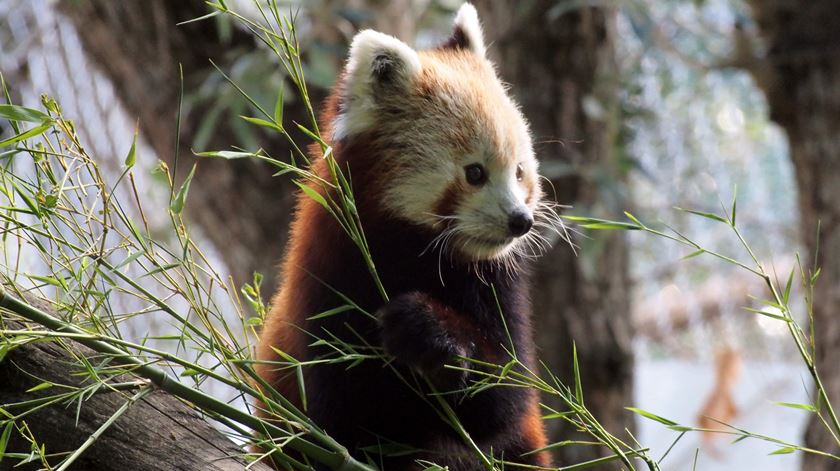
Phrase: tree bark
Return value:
(157, 432)
(801, 78)
(562, 69)
(802, 84)
(239, 206)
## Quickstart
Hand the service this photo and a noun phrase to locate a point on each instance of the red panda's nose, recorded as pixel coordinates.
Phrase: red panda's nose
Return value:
(520, 223)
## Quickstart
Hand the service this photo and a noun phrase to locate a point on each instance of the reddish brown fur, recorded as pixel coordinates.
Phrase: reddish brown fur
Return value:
(533, 432)
(281, 328)
(720, 407)
(447, 203)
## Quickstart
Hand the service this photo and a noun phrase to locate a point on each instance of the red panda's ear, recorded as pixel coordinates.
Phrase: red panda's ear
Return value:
(466, 32)
(376, 58)
(380, 67)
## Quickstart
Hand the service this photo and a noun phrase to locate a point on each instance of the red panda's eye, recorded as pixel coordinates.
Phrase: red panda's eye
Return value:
(519, 173)
(475, 174)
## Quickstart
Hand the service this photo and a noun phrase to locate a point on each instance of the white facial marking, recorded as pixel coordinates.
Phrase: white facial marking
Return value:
(483, 218)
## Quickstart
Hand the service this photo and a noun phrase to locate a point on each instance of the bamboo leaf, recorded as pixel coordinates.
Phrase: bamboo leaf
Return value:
(768, 302)
(49, 280)
(576, 372)
(41, 386)
(557, 415)
(285, 356)
(311, 134)
(177, 204)
(162, 268)
(652, 416)
(30, 203)
(310, 192)
(815, 276)
(734, 205)
(633, 218)
(332, 312)
(793, 405)
(506, 369)
(768, 314)
(201, 18)
(786, 296)
(131, 158)
(225, 154)
(262, 122)
(301, 386)
(278, 108)
(26, 135)
(784, 451)
(129, 259)
(552, 446)
(711, 216)
(596, 223)
(4, 349)
(611, 226)
(694, 254)
(4, 438)
(20, 113)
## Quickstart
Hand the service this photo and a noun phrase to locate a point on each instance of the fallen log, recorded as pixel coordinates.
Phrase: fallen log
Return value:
(157, 432)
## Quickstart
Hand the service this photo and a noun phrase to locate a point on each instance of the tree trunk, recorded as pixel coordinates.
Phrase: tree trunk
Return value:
(801, 78)
(157, 432)
(562, 69)
(239, 206)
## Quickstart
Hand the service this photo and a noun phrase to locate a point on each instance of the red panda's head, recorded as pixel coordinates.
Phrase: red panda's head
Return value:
(453, 151)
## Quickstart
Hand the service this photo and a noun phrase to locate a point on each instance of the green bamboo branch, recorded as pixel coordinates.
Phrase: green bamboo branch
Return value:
(779, 299)
(337, 458)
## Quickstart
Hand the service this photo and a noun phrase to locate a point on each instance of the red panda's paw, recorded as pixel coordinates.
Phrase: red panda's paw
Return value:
(413, 334)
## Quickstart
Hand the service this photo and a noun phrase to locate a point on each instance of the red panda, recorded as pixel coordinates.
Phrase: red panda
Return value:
(447, 189)
(720, 407)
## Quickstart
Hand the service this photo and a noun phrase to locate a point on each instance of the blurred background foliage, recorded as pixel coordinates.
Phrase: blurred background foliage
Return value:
(637, 105)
